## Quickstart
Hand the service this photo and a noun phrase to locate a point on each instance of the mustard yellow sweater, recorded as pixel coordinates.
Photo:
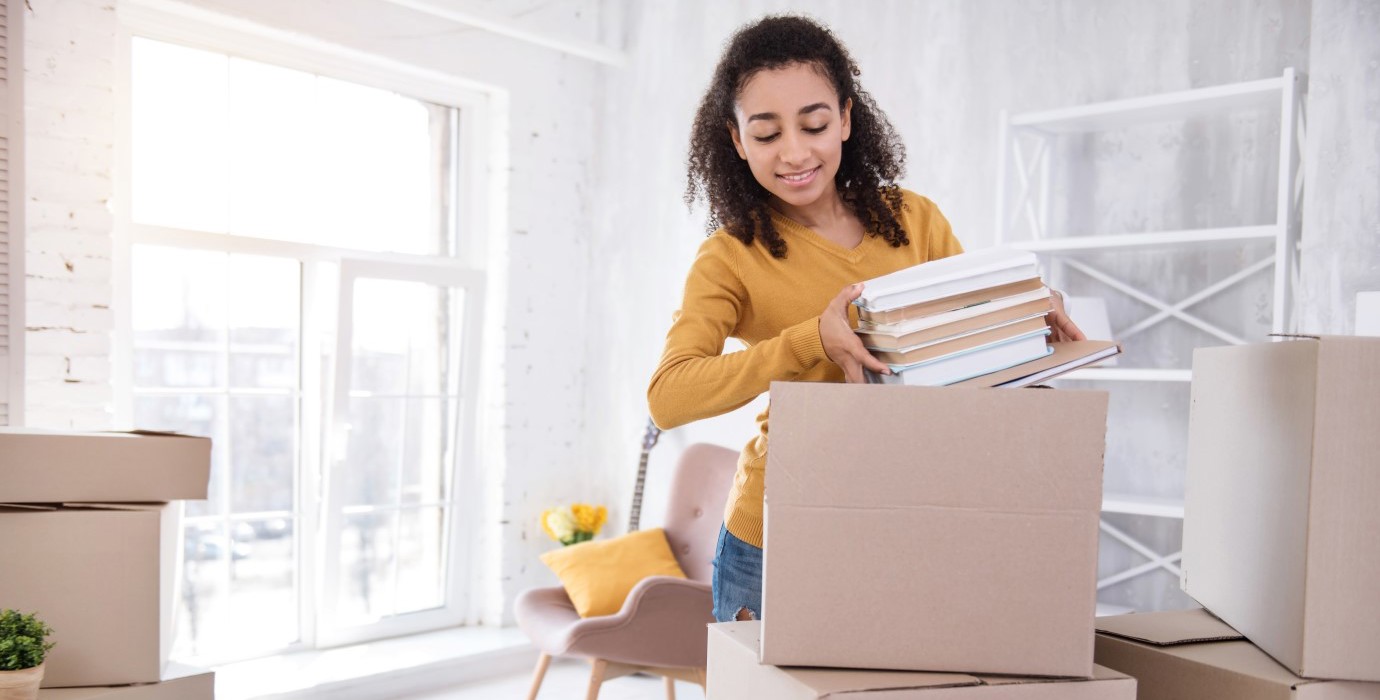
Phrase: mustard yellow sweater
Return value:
(773, 306)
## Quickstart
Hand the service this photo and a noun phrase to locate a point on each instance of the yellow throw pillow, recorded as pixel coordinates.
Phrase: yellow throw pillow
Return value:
(599, 574)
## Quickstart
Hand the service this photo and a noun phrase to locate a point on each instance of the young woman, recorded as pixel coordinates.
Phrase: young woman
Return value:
(798, 166)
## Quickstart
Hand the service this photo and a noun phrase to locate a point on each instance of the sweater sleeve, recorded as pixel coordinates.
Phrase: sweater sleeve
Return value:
(695, 379)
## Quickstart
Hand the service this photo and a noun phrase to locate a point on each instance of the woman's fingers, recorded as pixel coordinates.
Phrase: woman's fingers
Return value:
(841, 344)
(1064, 328)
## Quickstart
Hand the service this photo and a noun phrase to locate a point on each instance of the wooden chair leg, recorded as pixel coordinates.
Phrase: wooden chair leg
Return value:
(670, 688)
(539, 675)
(596, 678)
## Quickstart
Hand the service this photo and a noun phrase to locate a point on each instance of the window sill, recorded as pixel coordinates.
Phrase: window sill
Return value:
(384, 669)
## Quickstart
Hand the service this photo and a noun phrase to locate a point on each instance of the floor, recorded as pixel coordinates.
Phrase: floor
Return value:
(565, 679)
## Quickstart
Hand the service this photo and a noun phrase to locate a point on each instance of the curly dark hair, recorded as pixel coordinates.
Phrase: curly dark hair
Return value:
(873, 157)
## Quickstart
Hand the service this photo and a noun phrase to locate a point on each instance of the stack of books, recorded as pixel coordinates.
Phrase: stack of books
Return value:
(977, 318)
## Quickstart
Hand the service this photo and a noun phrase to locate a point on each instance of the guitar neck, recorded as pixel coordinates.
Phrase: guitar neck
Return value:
(635, 514)
(649, 439)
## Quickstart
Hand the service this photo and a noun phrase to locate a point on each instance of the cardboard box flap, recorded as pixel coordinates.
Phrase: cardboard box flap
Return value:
(1100, 673)
(152, 505)
(45, 466)
(827, 681)
(1169, 628)
(918, 451)
(1198, 637)
(153, 433)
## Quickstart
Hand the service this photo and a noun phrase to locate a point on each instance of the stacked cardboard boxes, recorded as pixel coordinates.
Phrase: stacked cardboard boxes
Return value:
(89, 528)
(1280, 524)
(936, 542)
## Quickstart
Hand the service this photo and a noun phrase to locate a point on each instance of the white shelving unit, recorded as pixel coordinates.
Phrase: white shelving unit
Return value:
(1026, 144)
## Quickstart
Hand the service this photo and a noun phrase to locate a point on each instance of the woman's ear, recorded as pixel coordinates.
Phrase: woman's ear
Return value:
(737, 141)
(846, 118)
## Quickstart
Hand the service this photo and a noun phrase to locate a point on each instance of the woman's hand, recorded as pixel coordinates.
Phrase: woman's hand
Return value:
(841, 344)
(1061, 326)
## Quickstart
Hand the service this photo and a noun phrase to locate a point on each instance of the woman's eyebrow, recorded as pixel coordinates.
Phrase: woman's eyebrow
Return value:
(773, 116)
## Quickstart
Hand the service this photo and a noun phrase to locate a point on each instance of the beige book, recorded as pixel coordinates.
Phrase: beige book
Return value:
(899, 341)
(951, 303)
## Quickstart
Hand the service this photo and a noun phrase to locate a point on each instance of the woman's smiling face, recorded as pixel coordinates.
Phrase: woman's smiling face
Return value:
(791, 132)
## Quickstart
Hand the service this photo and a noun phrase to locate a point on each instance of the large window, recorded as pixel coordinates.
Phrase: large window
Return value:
(294, 295)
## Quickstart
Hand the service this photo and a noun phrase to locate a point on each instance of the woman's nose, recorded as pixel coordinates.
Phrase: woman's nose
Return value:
(793, 149)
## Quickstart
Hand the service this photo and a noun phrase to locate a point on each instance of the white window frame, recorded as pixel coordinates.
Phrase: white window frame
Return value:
(465, 474)
(480, 215)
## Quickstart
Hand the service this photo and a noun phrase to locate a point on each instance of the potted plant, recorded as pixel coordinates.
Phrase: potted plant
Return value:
(23, 647)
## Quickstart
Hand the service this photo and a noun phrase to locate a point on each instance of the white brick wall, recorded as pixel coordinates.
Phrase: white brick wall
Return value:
(70, 122)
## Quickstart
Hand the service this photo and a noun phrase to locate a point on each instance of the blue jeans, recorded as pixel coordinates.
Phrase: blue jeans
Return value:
(737, 578)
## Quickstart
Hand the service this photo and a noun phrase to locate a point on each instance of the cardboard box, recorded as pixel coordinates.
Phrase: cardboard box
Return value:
(1190, 655)
(938, 529)
(56, 467)
(104, 578)
(1280, 512)
(180, 683)
(735, 674)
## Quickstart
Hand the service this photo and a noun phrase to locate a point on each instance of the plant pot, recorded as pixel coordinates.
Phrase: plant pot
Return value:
(21, 684)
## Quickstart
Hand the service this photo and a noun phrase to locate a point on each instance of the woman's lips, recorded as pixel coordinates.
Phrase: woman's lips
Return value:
(799, 179)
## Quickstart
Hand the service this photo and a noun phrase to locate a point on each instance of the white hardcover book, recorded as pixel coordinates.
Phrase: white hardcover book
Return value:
(956, 274)
(966, 364)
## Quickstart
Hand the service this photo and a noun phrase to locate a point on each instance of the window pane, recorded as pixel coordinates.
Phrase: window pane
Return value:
(275, 162)
(228, 145)
(263, 600)
(401, 337)
(265, 321)
(365, 588)
(178, 317)
(427, 428)
(375, 173)
(263, 432)
(421, 559)
(372, 465)
(193, 414)
(205, 580)
(238, 591)
(179, 130)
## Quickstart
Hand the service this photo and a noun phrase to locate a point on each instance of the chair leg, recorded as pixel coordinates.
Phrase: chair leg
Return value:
(596, 678)
(539, 675)
(670, 688)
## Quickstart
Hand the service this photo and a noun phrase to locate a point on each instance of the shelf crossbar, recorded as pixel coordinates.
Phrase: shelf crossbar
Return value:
(1026, 174)
(1144, 298)
(1156, 561)
(1161, 239)
(1163, 107)
(1207, 292)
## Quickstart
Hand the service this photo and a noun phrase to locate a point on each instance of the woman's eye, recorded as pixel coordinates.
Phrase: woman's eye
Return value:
(817, 130)
(766, 139)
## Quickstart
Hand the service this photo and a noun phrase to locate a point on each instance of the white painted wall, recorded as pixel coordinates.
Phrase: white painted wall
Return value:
(1341, 204)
